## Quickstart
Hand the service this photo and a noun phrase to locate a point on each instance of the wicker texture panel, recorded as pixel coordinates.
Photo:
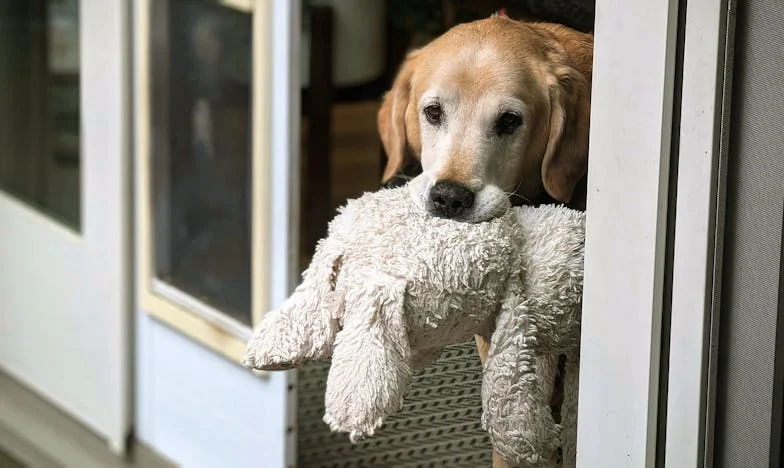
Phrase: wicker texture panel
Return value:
(439, 424)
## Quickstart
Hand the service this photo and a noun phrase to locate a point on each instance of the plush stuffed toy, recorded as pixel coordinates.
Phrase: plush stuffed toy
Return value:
(390, 286)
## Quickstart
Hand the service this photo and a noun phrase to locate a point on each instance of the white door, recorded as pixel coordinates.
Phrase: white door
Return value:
(64, 206)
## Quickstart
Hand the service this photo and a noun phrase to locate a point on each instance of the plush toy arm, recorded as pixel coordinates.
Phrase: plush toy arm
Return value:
(517, 387)
(371, 362)
(304, 327)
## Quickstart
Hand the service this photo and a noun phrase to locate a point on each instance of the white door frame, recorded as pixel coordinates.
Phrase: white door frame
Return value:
(106, 91)
(707, 85)
(285, 170)
(632, 97)
(628, 194)
(66, 323)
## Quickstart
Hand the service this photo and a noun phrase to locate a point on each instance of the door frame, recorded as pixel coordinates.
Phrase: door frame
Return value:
(657, 231)
(698, 236)
(628, 178)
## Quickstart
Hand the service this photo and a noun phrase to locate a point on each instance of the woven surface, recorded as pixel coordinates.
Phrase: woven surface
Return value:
(438, 427)
(755, 197)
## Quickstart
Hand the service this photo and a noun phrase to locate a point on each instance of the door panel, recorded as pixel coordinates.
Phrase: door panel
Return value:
(64, 296)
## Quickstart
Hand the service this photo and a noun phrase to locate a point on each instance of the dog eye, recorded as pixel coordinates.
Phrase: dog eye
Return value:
(433, 114)
(508, 123)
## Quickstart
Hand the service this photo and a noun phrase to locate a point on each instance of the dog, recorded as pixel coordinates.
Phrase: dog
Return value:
(495, 111)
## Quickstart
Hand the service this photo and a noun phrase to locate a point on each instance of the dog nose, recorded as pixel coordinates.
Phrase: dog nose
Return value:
(450, 199)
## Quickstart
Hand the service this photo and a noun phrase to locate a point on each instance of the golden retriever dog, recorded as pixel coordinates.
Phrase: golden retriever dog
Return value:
(495, 110)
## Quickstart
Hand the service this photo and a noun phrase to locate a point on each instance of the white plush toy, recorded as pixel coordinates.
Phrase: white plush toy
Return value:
(390, 286)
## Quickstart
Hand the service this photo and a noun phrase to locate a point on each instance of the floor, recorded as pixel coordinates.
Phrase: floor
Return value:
(36, 434)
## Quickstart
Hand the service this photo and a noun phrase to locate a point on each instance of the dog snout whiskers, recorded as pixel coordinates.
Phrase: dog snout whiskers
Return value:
(450, 199)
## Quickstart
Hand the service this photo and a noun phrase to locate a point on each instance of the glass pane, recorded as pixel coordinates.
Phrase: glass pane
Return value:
(39, 104)
(202, 160)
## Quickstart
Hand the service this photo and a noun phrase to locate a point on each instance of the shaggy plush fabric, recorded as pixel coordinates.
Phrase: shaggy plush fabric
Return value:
(390, 286)
(538, 323)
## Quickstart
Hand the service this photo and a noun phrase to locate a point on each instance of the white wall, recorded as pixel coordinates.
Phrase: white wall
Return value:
(192, 405)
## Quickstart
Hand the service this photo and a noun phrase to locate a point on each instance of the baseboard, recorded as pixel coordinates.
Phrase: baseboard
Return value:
(39, 434)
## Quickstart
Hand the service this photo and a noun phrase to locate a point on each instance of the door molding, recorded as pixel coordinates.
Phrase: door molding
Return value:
(697, 259)
(628, 177)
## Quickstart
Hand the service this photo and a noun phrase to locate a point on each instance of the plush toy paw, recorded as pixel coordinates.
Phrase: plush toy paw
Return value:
(357, 430)
(298, 332)
(272, 349)
(367, 381)
(533, 445)
(516, 377)
(359, 405)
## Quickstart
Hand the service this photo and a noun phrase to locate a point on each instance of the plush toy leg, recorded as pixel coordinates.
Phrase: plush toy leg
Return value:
(483, 347)
(371, 362)
(517, 388)
(516, 410)
(569, 411)
(304, 327)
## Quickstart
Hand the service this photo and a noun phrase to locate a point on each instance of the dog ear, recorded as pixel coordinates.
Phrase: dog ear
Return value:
(392, 119)
(565, 160)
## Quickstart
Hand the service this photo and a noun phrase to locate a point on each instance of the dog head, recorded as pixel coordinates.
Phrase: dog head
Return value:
(493, 109)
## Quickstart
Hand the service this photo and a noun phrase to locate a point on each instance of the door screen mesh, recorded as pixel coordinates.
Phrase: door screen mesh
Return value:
(750, 294)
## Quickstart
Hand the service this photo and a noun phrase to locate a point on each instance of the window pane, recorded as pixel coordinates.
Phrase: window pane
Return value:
(202, 96)
(39, 104)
